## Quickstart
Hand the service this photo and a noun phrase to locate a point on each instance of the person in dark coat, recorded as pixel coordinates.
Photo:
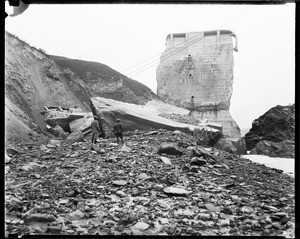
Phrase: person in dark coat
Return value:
(95, 130)
(118, 130)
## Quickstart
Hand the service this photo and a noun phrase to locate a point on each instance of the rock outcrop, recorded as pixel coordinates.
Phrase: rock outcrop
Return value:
(285, 148)
(276, 125)
(232, 145)
(196, 73)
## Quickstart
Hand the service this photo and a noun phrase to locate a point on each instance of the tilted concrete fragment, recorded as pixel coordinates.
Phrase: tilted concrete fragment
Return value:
(133, 116)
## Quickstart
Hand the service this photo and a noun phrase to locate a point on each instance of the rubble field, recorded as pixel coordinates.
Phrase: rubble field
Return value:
(159, 183)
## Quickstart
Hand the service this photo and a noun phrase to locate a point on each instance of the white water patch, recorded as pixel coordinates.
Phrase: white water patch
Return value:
(285, 164)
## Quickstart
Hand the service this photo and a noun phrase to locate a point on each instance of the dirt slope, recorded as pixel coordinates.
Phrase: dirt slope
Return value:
(106, 82)
(33, 79)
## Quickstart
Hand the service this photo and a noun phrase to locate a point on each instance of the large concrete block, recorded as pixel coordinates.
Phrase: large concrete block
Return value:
(210, 63)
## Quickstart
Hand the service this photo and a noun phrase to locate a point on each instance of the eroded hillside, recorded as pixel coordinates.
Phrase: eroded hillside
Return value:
(34, 80)
(106, 82)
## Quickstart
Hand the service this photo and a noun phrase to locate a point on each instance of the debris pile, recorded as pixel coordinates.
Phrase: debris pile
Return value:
(61, 188)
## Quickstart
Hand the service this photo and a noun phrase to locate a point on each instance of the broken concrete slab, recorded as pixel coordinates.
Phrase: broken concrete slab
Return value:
(139, 117)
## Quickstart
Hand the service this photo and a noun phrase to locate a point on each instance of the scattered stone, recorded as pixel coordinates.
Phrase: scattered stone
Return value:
(204, 216)
(63, 201)
(13, 204)
(43, 147)
(176, 191)
(143, 176)
(271, 208)
(177, 132)
(164, 220)
(121, 193)
(13, 151)
(39, 217)
(247, 209)
(119, 182)
(7, 168)
(7, 158)
(169, 149)
(141, 226)
(98, 149)
(212, 208)
(198, 161)
(165, 160)
(124, 148)
(31, 166)
(55, 142)
(114, 144)
(152, 133)
(76, 215)
(201, 152)
(54, 229)
(183, 144)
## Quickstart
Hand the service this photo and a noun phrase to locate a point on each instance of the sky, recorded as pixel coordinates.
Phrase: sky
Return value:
(124, 35)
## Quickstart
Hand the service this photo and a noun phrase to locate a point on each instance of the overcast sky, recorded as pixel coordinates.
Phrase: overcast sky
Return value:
(121, 36)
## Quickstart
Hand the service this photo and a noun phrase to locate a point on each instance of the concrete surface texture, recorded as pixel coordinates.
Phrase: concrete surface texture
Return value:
(196, 73)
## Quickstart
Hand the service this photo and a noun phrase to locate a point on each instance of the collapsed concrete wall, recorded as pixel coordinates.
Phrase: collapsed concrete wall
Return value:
(196, 73)
(132, 116)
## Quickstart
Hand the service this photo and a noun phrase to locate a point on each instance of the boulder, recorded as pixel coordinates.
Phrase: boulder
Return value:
(39, 217)
(276, 125)
(232, 145)
(76, 136)
(76, 215)
(165, 160)
(169, 149)
(7, 158)
(176, 191)
(60, 132)
(31, 166)
(206, 136)
(82, 123)
(98, 149)
(198, 161)
(200, 152)
(61, 118)
(13, 204)
(140, 226)
(152, 133)
(119, 182)
(285, 148)
(13, 150)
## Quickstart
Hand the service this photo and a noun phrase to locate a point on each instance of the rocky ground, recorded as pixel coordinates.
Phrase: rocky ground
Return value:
(145, 187)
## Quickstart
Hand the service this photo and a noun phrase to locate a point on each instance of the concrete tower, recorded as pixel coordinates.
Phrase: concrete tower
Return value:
(196, 73)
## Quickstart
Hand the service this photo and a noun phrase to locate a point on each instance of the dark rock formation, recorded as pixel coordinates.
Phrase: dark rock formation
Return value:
(232, 145)
(285, 148)
(275, 125)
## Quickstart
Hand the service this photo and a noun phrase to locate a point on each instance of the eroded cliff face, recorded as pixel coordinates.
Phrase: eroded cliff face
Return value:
(33, 80)
(196, 73)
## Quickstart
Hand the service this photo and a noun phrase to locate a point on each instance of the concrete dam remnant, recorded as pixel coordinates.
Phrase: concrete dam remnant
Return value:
(196, 72)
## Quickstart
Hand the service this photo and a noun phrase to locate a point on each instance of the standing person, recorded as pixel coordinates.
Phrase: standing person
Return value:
(95, 130)
(118, 130)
